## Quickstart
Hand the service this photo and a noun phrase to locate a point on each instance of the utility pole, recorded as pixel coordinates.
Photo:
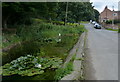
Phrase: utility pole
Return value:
(66, 13)
(113, 17)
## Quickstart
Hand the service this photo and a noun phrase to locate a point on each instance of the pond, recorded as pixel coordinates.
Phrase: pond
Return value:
(52, 49)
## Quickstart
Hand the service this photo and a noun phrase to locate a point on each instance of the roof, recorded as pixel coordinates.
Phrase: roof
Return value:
(106, 8)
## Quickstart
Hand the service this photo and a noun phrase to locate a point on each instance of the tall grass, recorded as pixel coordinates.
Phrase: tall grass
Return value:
(47, 30)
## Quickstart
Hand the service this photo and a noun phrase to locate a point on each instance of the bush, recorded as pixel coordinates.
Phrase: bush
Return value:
(58, 22)
(72, 24)
(119, 30)
(110, 21)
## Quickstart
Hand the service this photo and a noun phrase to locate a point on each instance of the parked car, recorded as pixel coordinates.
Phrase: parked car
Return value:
(97, 26)
(93, 22)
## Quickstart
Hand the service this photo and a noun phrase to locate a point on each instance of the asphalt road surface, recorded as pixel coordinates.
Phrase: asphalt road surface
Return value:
(101, 54)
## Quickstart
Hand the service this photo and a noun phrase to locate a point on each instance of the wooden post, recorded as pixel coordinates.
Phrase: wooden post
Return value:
(66, 13)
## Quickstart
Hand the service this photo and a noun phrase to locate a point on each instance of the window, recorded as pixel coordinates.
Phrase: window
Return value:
(115, 14)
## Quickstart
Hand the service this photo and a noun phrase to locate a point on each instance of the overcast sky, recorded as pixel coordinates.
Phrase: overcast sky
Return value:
(100, 4)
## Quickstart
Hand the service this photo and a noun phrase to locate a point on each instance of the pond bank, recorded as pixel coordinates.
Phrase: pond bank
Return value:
(77, 64)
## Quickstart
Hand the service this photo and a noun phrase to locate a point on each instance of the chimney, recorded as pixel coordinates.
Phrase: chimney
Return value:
(106, 7)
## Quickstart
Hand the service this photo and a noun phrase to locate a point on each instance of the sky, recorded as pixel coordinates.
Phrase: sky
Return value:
(100, 4)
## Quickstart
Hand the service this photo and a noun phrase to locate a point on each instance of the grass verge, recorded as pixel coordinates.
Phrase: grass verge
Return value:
(112, 29)
(61, 72)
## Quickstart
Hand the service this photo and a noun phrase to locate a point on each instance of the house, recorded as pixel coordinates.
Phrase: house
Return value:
(108, 14)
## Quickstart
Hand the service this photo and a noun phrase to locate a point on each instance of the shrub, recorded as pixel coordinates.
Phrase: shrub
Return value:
(58, 22)
(110, 21)
(119, 30)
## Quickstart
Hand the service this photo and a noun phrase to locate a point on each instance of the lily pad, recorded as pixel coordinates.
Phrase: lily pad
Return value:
(30, 65)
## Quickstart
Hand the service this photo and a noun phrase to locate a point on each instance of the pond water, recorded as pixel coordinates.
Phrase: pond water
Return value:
(22, 49)
(48, 75)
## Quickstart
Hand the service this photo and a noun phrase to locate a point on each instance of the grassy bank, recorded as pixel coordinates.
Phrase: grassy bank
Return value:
(112, 29)
(84, 22)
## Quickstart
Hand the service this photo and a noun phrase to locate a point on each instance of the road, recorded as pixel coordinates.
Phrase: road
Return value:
(101, 54)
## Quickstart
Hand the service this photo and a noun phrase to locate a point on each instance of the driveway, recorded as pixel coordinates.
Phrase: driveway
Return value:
(101, 54)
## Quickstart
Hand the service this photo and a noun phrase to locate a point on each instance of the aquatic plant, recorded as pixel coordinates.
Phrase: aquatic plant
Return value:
(30, 65)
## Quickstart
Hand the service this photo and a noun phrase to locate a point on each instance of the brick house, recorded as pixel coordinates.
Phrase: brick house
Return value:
(108, 14)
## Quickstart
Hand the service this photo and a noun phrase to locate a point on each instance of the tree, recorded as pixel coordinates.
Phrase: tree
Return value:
(96, 15)
(77, 11)
(22, 12)
(15, 12)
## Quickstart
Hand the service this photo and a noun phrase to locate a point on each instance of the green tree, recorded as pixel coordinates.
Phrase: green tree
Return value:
(77, 11)
(22, 12)
(15, 13)
(96, 15)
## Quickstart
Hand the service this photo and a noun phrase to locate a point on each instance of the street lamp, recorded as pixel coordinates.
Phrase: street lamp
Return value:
(113, 17)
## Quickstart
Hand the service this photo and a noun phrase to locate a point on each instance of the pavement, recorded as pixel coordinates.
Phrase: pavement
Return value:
(101, 54)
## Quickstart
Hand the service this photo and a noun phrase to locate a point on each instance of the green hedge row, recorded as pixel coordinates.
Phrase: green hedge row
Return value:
(110, 21)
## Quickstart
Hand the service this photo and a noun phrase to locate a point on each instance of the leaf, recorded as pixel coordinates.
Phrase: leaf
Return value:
(55, 65)
(36, 72)
(8, 73)
(26, 66)
(6, 66)
(31, 72)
